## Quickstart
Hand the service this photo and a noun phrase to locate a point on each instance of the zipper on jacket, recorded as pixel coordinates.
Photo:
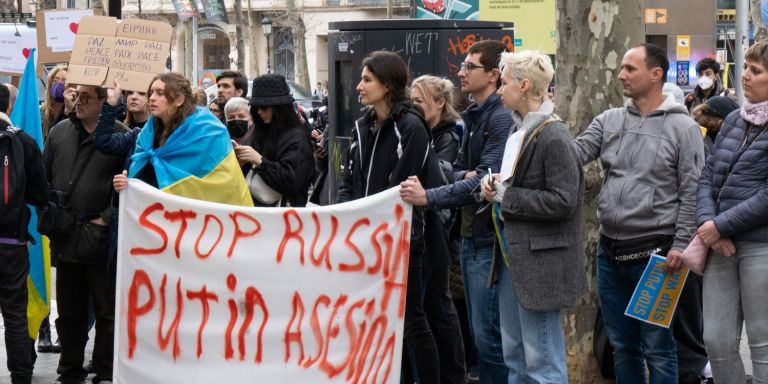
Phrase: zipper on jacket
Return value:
(5, 179)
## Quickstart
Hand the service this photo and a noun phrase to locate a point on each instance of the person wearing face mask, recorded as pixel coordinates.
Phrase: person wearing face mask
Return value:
(279, 153)
(708, 84)
(53, 109)
(239, 120)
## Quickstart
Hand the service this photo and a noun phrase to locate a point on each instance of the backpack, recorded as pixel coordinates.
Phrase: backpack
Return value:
(12, 183)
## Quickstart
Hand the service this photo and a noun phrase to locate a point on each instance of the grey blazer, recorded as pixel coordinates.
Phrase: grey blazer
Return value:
(541, 210)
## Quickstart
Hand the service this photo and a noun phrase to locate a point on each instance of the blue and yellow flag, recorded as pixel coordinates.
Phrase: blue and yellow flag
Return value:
(197, 161)
(26, 116)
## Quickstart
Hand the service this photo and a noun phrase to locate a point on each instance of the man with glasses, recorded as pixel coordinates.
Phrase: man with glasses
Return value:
(80, 174)
(488, 124)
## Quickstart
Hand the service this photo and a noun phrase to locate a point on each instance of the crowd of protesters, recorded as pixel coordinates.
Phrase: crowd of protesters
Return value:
(497, 189)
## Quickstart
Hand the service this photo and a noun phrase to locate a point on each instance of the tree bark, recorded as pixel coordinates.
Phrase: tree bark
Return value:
(239, 35)
(299, 31)
(755, 13)
(593, 36)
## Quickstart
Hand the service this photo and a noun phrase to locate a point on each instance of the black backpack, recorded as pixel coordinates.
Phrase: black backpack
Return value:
(12, 183)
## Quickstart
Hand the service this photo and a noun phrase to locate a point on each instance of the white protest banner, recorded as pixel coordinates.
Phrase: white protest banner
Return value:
(14, 50)
(212, 293)
(61, 28)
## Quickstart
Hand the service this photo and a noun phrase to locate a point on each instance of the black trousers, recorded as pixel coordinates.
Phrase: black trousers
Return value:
(418, 335)
(444, 323)
(688, 329)
(14, 268)
(76, 283)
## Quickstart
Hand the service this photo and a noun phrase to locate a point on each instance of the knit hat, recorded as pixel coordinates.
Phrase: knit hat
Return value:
(722, 106)
(270, 90)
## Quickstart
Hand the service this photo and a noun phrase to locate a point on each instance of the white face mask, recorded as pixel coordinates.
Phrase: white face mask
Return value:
(705, 82)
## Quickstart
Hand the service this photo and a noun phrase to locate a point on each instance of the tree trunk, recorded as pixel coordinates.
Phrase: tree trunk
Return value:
(299, 31)
(755, 13)
(593, 36)
(239, 35)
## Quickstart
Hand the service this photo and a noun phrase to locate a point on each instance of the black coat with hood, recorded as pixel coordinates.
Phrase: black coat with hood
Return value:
(382, 157)
(287, 165)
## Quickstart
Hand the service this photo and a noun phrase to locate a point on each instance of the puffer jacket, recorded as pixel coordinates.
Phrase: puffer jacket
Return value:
(732, 189)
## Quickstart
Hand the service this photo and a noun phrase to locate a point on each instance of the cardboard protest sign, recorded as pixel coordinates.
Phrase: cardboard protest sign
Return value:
(657, 293)
(132, 51)
(218, 293)
(14, 50)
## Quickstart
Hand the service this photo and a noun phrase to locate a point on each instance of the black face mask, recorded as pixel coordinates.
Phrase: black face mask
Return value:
(237, 128)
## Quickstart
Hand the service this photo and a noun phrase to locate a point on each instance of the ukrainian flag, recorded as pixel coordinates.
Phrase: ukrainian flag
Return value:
(26, 116)
(197, 161)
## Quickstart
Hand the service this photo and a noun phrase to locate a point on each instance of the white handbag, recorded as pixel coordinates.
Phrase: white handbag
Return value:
(260, 191)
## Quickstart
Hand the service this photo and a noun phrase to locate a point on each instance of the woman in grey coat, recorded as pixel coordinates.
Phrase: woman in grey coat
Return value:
(539, 191)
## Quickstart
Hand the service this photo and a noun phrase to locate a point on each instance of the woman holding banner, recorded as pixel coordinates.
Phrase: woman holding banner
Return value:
(390, 143)
(183, 149)
(538, 197)
(732, 214)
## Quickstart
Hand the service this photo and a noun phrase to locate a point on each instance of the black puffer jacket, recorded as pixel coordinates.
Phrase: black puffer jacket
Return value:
(401, 146)
(287, 165)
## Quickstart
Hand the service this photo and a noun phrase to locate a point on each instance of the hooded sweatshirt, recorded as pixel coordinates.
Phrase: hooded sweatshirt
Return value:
(651, 164)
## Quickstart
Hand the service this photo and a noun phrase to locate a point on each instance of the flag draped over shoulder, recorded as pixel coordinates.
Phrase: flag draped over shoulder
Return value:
(197, 161)
(26, 116)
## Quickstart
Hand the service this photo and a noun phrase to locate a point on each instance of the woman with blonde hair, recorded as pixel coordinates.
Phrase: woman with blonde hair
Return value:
(434, 96)
(53, 109)
(540, 193)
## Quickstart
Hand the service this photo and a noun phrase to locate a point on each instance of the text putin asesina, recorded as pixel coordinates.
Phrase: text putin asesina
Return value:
(314, 322)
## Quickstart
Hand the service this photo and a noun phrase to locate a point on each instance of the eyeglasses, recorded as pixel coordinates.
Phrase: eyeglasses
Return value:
(84, 98)
(468, 67)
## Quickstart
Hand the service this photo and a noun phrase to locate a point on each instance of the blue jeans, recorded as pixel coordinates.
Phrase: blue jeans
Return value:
(635, 343)
(534, 346)
(483, 310)
(734, 296)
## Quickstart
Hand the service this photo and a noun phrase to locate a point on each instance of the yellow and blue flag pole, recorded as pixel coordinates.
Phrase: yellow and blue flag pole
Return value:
(26, 116)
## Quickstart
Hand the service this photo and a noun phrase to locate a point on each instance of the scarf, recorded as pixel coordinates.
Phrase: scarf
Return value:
(756, 114)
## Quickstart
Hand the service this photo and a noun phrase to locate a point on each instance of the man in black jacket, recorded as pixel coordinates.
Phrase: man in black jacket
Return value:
(82, 258)
(22, 184)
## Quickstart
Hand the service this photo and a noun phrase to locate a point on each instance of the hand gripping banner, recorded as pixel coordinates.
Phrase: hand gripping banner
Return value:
(213, 293)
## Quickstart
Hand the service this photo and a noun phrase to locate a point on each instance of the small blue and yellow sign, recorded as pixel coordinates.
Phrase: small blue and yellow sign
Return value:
(657, 293)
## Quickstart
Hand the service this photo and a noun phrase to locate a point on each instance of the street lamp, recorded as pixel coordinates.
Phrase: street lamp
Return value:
(266, 27)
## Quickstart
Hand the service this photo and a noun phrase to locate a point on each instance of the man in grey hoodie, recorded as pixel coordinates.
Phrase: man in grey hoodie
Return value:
(652, 154)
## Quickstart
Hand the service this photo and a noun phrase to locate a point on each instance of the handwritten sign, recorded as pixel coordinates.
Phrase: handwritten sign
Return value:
(275, 295)
(132, 51)
(657, 293)
(14, 50)
(61, 28)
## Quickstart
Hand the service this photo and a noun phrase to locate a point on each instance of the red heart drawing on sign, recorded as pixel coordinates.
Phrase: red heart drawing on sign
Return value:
(73, 27)
(25, 52)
